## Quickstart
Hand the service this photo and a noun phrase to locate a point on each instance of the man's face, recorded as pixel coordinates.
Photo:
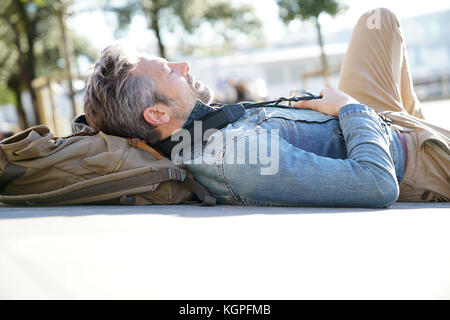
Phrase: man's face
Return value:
(173, 81)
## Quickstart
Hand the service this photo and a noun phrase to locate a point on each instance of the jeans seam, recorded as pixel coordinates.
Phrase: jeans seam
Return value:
(356, 114)
(220, 172)
(263, 203)
(355, 110)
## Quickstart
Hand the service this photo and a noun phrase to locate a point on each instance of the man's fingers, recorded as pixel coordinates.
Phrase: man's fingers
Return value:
(306, 104)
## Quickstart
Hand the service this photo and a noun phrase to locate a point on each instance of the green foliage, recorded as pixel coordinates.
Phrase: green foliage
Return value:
(305, 9)
(30, 42)
(187, 16)
(6, 95)
(39, 3)
(311, 9)
(46, 38)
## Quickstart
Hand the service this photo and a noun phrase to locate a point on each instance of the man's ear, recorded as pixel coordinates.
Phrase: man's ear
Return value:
(156, 115)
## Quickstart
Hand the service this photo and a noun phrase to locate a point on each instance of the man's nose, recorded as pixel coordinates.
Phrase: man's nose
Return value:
(181, 67)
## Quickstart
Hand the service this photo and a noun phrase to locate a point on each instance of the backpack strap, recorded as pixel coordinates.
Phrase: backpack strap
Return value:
(110, 187)
(202, 194)
(141, 144)
(101, 188)
(189, 181)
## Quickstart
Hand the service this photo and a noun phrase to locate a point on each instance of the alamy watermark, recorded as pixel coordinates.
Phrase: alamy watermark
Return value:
(256, 146)
(374, 20)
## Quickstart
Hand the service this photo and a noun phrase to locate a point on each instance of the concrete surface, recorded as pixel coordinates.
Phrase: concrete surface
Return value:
(225, 252)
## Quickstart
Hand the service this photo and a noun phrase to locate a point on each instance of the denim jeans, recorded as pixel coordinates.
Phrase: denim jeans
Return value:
(294, 157)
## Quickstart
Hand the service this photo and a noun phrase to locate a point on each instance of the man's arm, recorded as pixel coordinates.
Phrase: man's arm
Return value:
(366, 179)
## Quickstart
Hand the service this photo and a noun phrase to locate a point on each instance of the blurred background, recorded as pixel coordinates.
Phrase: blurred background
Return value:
(243, 49)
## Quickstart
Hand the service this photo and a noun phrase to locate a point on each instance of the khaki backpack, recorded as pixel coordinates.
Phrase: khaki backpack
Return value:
(96, 168)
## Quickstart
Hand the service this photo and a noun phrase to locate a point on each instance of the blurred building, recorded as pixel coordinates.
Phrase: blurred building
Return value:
(428, 43)
(281, 69)
(294, 62)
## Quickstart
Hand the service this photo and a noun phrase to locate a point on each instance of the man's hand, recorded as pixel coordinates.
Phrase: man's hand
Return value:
(332, 101)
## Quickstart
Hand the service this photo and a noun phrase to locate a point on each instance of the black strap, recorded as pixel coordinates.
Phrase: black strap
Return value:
(11, 172)
(225, 115)
(277, 103)
(215, 120)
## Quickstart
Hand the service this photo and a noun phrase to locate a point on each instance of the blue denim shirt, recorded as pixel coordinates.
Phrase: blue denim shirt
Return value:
(277, 156)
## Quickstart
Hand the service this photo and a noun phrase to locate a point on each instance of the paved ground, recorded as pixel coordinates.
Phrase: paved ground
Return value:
(186, 252)
(226, 252)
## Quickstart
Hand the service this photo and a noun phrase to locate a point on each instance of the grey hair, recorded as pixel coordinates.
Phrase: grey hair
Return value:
(116, 97)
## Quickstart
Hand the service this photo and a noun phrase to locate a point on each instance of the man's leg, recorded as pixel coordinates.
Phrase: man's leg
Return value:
(427, 174)
(375, 70)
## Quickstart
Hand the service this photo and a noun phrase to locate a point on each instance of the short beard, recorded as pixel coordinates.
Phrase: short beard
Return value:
(206, 95)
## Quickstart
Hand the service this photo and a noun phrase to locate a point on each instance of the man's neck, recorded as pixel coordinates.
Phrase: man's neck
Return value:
(198, 112)
(170, 128)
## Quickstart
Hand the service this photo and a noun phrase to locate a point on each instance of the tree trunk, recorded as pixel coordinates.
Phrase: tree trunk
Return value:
(323, 57)
(14, 85)
(27, 79)
(28, 70)
(155, 27)
(66, 50)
